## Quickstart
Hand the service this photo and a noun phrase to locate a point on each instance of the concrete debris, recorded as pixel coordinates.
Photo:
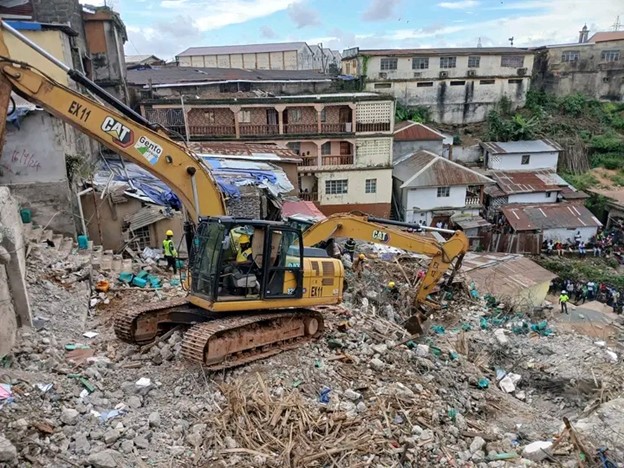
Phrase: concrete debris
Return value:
(395, 399)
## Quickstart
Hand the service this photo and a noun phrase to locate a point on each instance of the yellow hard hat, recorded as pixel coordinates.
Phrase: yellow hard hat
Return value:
(391, 284)
(244, 239)
(361, 256)
(169, 232)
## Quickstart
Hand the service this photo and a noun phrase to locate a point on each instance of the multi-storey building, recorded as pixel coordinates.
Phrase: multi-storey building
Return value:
(594, 66)
(344, 139)
(458, 85)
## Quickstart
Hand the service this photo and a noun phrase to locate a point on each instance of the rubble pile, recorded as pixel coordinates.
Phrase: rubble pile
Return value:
(486, 387)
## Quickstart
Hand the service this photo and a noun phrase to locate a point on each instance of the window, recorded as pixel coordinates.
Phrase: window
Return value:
(420, 63)
(389, 64)
(486, 82)
(209, 116)
(548, 194)
(323, 116)
(570, 56)
(605, 79)
(448, 62)
(458, 83)
(326, 148)
(474, 61)
(295, 146)
(444, 192)
(370, 186)
(383, 85)
(424, 84)
(526, 158)
(244, 116)
(294, 115)
(141, 237)
(512, 61)
(336, 187)
(515, 81)
(610, 55)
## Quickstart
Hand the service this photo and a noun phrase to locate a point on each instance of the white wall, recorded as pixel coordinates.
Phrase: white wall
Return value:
(356, 187)
(535, 197)
(513, 161)
(466, 153)
(427, 198)
(563, 234)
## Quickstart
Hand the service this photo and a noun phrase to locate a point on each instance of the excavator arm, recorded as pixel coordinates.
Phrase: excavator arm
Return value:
(180, 169)
(358, 226)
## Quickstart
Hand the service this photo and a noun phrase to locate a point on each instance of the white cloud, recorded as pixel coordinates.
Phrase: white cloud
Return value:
(461, 5)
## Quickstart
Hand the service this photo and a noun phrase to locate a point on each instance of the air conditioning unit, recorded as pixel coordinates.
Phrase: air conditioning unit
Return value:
(383, 75)
(417, 74)
(443, 74)
(472, 73)
(521, 71)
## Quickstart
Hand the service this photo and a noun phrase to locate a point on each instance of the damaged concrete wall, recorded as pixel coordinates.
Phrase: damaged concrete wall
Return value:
(14, 302)
(33, 164)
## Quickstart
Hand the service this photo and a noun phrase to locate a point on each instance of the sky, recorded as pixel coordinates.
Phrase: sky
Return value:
(167, 27)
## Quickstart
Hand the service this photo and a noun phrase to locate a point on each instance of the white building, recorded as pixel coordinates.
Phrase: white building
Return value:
(538, 186)
(274, 56)
(457, 85)
(410, 137)
(521, 155)
(556, 221)
(429, 189)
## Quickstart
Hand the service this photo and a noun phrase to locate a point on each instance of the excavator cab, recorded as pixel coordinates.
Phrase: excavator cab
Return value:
(237, 259)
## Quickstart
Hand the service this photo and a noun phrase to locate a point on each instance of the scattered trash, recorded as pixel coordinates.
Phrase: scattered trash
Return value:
(537, 451)
(143, 382)
(600, 344)
(398, 419)
(500, 373)
(502, 456)
(296, 383)
(125, 277)
(318, 363)
(108, 415)
(508, 383)
(174, 282)
(90, 334)
(422, 350)
(483, 383)
(520, 395)
(452, 414)
(72, 346)
(499, 333)
(84, 382)
(102, 286)
(43, 387)
(438, 329)
(613, 357)
(324, 395)
(5, 392)
(80, 355)
(93, 302)
(84, 393)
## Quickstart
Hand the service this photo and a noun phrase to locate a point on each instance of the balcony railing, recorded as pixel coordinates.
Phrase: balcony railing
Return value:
(300, 128)
(308, 196)
(309, 161)
(342, 160)
(345, 127)
(373, 127)
(247, 129)
(473, 201)
(221, 130)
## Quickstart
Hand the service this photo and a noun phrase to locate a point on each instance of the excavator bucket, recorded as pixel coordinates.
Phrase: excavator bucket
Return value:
(417, 324)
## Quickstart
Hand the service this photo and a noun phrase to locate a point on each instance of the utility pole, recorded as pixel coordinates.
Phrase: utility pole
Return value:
(617, 24)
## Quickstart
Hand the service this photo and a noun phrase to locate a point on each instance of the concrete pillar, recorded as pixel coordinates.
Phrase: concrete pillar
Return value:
(280, 118)
(319, 125)
(352, 107)
(236, 110)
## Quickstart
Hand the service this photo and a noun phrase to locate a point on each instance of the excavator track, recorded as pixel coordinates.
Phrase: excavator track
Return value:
(229, 342)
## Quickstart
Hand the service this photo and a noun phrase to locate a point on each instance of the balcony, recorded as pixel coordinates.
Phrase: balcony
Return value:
(373, 127)
(309, 196)
(473, 201)
(247, 129)
(342, 160)
(300, 128)
(212, 130)
(308, 161)
(345, 127)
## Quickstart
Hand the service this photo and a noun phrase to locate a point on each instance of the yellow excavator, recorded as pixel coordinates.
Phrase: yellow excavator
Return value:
(238, 309)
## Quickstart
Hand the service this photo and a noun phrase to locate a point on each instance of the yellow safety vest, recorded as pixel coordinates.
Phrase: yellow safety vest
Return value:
(564, 298)
(243, 256)
(169, 248)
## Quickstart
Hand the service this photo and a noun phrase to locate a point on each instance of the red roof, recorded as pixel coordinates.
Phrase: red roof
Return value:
(549, 216)
(540, 180)
(260, 151)
(607, 36)
(301, 208)
(413, 131)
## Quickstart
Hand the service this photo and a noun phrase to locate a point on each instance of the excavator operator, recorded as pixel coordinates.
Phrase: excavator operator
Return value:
(244, 253)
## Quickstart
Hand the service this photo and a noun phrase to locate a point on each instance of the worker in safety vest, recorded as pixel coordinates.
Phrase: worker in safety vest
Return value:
(563, 300)
(393, 291)
(171, 253)
(244, 253)
(350, 248)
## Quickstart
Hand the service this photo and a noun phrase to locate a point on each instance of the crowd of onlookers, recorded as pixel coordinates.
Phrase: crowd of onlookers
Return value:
(606, 243)
(581, 291)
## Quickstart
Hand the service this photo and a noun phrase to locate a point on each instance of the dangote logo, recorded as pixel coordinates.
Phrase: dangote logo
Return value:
(122, 135)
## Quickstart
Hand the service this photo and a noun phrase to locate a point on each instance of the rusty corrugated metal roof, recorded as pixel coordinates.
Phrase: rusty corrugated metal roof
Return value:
(146, 216)
(414, 131)
(257, 151)
(572, 194)
(539, 180)
(426, 169)
(549, 216)
(524, 146)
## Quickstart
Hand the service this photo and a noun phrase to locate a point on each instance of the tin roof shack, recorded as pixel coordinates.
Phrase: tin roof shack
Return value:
(538, 186)
(511, 278)
(428, 188)
(556, 221)
(525, 155)
(410, 137)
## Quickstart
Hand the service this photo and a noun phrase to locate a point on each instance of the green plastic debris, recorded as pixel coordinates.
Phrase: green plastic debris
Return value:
(85, 383)
(483, 383)
(452, 414)
(296, 383)
(410, 344)
(318, 363)
(453, 355)
(435, 350)
(466, 326)
(502, 456)
(483, 323)
(125, 277)
(333, 343)
(439, 329)
(72, 346)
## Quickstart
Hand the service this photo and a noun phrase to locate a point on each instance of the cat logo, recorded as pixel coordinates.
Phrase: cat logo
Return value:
(122, 135)
(381, 236)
